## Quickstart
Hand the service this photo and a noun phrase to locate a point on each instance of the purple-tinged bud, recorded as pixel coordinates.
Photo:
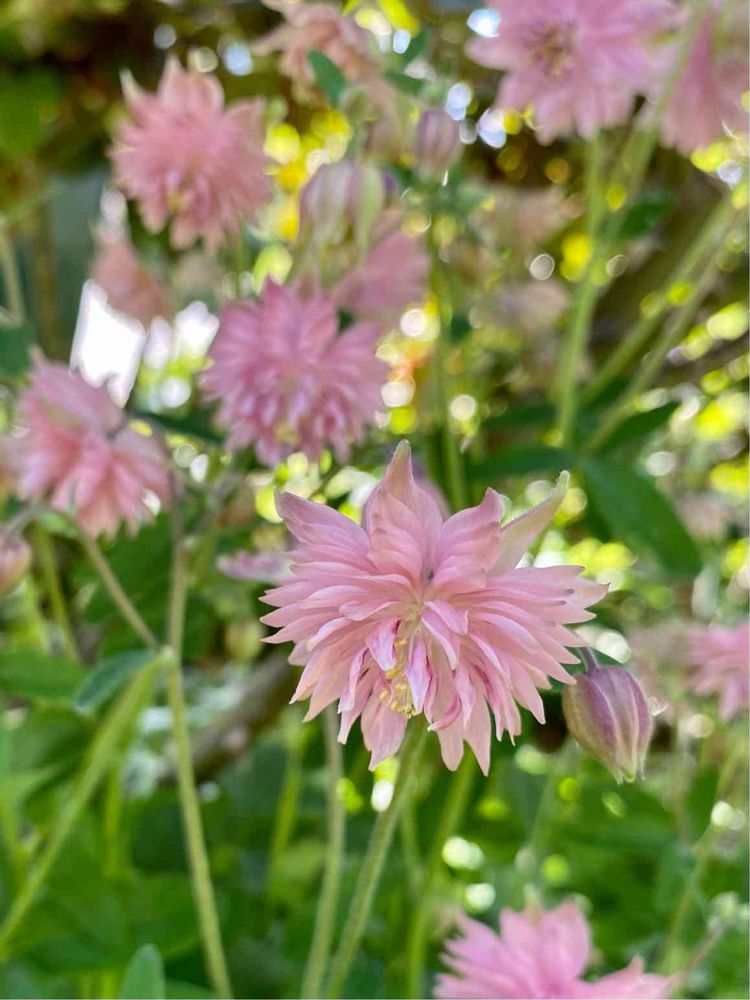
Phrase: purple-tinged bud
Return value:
(607, 714)
(339, 200)
(15, 559)
(437, 142)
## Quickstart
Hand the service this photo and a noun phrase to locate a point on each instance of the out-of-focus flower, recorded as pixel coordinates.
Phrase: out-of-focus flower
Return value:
(15, 559)
(708, 94)
(577, 63)
(437, 142)
(258, 567)
(707, 517)
(608, 715)
(531, 306)
(79, 451)
(660, 654)
(287, 381)
(184, 157)
(720, 657)
(130, 287)
(412, 614)
(527, 219)
(392, 276)
(8, 465)
(537, 954)
(339, 200)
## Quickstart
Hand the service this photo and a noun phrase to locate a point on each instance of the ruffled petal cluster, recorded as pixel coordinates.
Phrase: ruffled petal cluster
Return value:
(129, 286)
(286, 380)
(577, 63)
(414, 614)
(537, 954)
(79, 452)
(189, 161)
(720, 658)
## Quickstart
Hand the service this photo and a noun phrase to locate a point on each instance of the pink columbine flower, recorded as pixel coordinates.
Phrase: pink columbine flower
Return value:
(720, 658)
(183, 157)
(537, 954)
(80, 453)
(286, 380)
(130, 287)
(708, 95)
(414, 614)
(577, 63)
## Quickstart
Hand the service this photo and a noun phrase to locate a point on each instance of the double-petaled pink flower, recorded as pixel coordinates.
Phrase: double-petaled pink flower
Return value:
(537, 954)
(414, 614)
(286, 380)
(189, 161)
(577, 63)
(130, 287)
(79, 452)
(720, 658)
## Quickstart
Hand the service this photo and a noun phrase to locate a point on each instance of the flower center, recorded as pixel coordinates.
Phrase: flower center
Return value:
(553, 46)
(398, 692)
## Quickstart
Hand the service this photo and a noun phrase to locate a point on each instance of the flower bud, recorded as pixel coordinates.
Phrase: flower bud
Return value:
(607, 714)
(341, 198)
(437, 142)
(15, 559)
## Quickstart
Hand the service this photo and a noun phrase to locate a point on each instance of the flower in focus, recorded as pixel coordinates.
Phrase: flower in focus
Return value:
(719, 657)
(413, 614)
(79, 451)
(607, 714)
(708, 94)
(130, 287)
(339, 199)
(437, 142)
(184, 158)
(287, 381)
(537, 954)
(15, 559)
(577, 63)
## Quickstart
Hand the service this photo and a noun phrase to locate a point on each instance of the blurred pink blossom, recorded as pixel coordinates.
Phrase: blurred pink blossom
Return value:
(437, 142)
(130, 287)
(720, 658)
(537, 954)
(412, 614)
(184, 158)
(15, 560)
(79, 451)
(257, 567)
(578, 63)
(286, 380)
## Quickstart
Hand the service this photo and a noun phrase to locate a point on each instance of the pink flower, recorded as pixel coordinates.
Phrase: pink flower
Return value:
(130, 287)
(258, 567)
(536, 954)
(184, 158)
(79, 451)
(577, 63)
(413, 614)
(392, 277)
(287, 381)
(708, 94)
(720, 657)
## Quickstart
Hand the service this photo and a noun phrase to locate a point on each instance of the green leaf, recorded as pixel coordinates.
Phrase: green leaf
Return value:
(35, 675)
(410, 85)
(521, 460)
(328, 76)
(523, 416)
(108, 677)
(197, 423)
(30, 101)
(639, 514)
(15, 342)
(144, 976)
(640, 425)
(646, 213)
(416, 47)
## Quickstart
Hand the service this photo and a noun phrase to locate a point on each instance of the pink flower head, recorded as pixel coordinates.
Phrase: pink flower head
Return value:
(183, 157)
(79, 452)
(287, 381)
(536, 954)
(130, 287)
(708, 94)
(577, 63)
(720, 658)
(414, 614)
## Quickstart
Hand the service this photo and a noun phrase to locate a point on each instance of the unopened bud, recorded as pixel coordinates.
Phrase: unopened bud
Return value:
(607, 714)
(437, 142)
(341, 198)
(15, 559)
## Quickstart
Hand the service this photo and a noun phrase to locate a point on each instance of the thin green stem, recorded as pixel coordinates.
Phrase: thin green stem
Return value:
(99, 758)
(325, 918)
(579, 326)
(286, 809)
(15, 312)
(372, 865)
(48, 564)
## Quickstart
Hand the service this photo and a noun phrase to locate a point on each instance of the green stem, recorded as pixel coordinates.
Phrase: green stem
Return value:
(583, 310)
(451, 817)
(372, 866)
(48, 564)
(325, 918)
(15, 311)
(286, 809)
(99, 758)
